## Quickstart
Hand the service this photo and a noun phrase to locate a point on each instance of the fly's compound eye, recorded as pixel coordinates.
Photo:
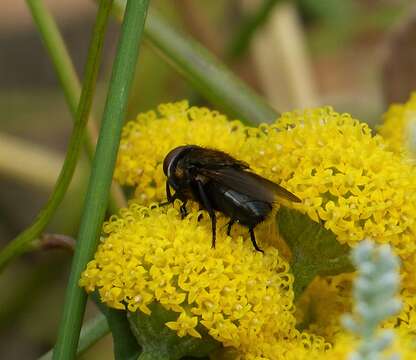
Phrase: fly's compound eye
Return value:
(172, 158)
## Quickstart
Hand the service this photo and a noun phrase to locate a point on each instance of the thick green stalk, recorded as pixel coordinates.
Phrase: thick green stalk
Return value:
(91, 332)
(101, 174)
(206, 73)
(18, 245)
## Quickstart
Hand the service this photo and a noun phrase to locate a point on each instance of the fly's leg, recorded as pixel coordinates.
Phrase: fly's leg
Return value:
(253, 240)
(230, 224)
(168, 193)
(211, 212)
(183, 210)
(171, 198)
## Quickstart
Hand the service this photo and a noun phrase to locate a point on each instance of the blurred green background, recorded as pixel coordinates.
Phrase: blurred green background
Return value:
(356, 55)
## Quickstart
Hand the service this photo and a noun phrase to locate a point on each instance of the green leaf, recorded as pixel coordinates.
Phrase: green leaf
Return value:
(315, 250)
(161, 343)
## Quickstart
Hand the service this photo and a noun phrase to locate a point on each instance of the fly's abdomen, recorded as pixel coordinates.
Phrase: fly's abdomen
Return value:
(238, 206)
(260, 209)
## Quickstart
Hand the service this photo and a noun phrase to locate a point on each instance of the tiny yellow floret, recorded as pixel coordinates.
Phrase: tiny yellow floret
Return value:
(185, 325)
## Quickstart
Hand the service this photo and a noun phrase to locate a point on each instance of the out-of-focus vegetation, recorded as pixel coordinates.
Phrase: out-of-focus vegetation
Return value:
(346, 62)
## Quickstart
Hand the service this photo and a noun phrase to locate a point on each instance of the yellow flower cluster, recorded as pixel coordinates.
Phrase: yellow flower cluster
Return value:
(347, 179)
(344, 174)
(395, 128)
(240, 296)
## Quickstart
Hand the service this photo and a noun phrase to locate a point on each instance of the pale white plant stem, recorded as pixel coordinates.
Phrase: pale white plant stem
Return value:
(375, 299)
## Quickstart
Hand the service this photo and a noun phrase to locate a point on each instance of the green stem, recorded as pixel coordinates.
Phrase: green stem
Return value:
(91, 332)
(68, 78)
(208, 75)
(58, 52)
(101, 174)
(18, 245)
(218, 84)
(61, 60)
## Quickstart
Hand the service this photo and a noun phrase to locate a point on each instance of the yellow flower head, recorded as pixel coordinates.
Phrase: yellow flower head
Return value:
(343, 173)
(149, 254)
(399, 120)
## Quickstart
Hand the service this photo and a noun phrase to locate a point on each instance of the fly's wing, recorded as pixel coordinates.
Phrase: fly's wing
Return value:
(248, 183)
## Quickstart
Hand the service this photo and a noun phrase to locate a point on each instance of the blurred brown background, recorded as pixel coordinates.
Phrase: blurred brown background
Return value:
(356, 55)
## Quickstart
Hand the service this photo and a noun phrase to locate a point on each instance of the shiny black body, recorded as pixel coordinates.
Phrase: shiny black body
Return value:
(219, 182)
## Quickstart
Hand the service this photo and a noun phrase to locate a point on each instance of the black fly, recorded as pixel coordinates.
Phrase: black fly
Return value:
(219, 182)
